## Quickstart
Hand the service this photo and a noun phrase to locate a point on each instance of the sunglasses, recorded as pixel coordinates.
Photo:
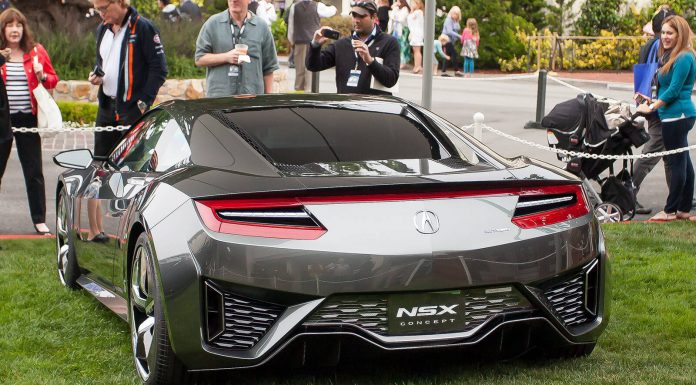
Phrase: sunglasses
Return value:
(365, 4)
(357, 15)
(104, 8)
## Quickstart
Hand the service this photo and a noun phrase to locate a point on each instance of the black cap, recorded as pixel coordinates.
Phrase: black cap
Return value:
(364, 7)
(659, 17)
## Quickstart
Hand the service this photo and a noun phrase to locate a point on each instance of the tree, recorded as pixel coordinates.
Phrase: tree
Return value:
(561, 16)
(532, 10)
(597, 15)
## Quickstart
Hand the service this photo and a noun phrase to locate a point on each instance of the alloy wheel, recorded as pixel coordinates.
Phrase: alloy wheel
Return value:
(62, 241)
(142, 313)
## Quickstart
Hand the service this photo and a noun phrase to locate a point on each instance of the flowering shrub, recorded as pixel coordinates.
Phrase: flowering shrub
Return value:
(609, 52)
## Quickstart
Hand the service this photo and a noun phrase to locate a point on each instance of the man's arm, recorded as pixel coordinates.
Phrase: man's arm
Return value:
(268, 83)
(387, 72)
(153, 50)
(320, 59)
(204, 56)
(269, 61)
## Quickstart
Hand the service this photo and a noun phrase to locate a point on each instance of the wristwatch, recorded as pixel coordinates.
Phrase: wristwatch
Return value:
(651, 106)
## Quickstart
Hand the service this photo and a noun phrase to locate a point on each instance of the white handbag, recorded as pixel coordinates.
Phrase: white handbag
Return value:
(48, 114)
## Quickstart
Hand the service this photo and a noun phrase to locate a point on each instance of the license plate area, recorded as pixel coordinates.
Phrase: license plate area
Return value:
(426, 313)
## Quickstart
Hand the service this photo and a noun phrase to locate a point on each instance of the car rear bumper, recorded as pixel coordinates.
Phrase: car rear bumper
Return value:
(277, 312)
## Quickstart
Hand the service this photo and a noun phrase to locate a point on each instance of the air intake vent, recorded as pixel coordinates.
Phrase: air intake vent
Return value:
(242, 322)
(574, 300)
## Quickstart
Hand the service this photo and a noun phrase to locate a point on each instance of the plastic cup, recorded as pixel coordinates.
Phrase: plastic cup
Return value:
(241, 48)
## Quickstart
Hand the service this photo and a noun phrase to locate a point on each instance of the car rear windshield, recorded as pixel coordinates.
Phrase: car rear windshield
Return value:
(298, 136)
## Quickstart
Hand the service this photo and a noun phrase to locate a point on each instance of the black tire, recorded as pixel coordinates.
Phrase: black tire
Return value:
(159, 365)
(68, 269)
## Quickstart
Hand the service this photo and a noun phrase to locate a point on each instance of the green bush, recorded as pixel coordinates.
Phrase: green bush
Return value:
(80, 112)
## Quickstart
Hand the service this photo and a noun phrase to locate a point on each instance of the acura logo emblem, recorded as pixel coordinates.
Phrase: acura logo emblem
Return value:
(426, 222)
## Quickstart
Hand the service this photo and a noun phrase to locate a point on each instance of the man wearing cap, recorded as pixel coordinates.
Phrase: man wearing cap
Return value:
(367, 62)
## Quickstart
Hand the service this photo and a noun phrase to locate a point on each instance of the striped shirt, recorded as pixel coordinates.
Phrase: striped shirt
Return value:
(17, 88)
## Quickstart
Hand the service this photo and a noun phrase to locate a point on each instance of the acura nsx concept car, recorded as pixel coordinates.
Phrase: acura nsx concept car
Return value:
(229, 232)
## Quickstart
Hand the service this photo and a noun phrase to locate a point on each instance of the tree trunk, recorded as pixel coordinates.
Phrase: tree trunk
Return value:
(63, 15)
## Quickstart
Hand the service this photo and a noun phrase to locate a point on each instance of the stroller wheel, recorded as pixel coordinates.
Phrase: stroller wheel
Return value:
(608, 212)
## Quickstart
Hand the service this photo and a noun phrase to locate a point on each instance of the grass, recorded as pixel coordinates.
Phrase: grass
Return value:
(49, 335)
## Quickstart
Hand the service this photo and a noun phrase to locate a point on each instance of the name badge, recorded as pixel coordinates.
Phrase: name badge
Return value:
(234, 71)
(353, 78)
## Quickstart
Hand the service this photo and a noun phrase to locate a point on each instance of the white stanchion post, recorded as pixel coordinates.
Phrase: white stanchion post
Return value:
(478, 126)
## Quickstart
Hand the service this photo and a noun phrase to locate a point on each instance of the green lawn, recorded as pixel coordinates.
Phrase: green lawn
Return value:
(49, 335)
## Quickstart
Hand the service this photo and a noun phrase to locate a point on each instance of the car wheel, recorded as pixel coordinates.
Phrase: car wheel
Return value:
(608, 212)
(68, 271)
(154, 358)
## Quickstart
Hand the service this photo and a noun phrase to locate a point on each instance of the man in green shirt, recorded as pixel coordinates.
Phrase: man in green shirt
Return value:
(228, 70)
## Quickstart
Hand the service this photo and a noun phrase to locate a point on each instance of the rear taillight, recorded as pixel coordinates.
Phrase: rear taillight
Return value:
(548, 205)
(270, 218)
(288, 218)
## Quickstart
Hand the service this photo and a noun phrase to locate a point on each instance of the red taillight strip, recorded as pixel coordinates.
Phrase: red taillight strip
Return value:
(208, 212)
(208, 209)
(550, 217)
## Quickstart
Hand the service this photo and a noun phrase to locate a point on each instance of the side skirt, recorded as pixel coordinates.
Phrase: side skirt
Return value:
(114, 302)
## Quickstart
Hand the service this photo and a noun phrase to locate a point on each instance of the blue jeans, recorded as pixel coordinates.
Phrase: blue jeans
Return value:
(468, 64)
(681, 181)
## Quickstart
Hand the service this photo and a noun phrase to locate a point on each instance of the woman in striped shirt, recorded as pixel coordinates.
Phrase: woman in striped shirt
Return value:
(27, 66)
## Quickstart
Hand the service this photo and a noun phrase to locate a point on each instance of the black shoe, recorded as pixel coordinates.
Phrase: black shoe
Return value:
(642, 210)
(291, 65)
(445, 74)
(100, 238)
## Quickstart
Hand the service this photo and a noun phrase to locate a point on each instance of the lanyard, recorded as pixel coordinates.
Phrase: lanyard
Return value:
(236, 37)
(370, 40)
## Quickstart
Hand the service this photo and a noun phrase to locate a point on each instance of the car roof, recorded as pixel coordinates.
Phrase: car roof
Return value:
(190, 109)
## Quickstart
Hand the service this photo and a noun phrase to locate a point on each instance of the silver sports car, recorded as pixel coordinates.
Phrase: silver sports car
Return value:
(230, 231)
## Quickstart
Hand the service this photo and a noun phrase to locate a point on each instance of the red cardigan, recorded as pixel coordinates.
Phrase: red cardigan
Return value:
(51, 77)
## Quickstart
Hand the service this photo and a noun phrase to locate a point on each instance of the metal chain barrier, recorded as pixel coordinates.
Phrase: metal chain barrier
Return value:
(507, 77)
(566, 84)
(478, 126)
(70, 127)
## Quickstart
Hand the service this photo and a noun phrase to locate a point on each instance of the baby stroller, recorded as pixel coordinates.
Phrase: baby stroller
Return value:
(603, 126)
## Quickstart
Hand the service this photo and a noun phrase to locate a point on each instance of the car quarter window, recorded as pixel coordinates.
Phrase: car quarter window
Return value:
(155, 144)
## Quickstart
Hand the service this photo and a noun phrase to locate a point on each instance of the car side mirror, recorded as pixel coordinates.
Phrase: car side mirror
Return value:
(77, 159)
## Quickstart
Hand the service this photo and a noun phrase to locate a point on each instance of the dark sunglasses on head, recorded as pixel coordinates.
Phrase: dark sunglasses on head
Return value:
(359, 16)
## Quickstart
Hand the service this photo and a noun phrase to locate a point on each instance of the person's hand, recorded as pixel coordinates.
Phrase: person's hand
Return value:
(644, 109)
(640, 98)
(94, 79)
(38, 69)
(362, 50)
(448, 57)
(233, 56)
(318, 37)
(6, 53)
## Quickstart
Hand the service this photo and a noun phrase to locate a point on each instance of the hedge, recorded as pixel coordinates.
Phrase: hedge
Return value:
(80, 112)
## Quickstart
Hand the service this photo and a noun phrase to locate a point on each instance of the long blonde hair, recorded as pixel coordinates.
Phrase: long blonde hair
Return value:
(682, 43)
(455, 11)
(472, 25)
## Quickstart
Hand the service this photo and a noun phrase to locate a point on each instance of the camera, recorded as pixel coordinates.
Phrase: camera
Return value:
(330, 33)
(98, 71)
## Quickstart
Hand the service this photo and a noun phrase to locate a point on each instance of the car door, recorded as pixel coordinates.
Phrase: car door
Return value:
(131, 166)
